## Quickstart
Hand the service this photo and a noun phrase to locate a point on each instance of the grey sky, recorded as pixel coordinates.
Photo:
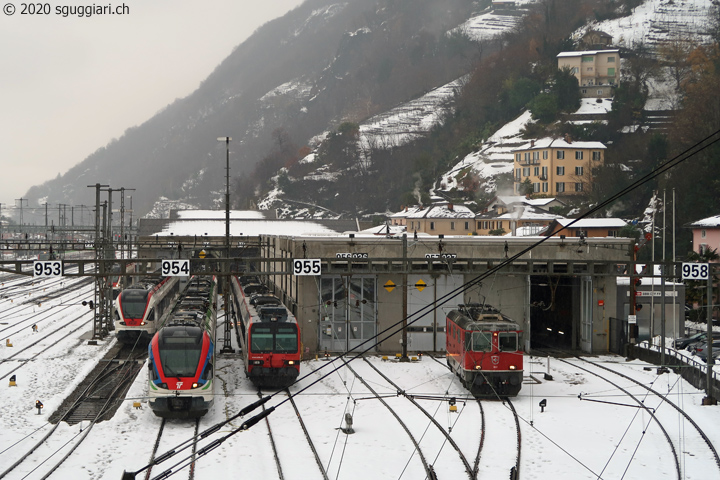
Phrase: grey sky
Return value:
(69, 85)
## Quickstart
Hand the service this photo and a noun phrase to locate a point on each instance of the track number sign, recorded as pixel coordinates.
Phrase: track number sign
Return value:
(47, 268)
(695, 271)
(175, 268)
(306, 266)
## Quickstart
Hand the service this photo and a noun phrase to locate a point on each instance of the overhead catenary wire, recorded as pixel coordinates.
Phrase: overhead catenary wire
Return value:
(393, 329)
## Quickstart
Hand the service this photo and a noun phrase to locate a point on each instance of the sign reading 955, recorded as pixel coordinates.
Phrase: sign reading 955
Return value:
(306, 266)
(47, 268)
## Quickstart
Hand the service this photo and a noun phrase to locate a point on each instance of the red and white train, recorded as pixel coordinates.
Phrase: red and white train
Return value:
(484, 350)
(141, 308)
(268, 335)
(181, 355)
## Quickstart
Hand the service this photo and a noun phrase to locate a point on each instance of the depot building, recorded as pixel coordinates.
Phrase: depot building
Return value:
(355, 288)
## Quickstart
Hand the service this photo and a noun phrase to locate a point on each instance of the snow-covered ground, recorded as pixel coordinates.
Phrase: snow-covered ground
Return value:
(603, 435)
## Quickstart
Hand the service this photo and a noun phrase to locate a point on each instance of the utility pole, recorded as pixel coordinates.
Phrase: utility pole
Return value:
(98, 331)
(21, 200)
(404, 356)
(227, 346)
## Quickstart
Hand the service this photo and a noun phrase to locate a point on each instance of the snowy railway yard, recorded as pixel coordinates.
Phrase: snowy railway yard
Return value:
(595, 423)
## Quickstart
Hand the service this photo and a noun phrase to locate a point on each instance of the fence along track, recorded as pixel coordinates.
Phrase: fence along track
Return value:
(471, 473)
(428, 469)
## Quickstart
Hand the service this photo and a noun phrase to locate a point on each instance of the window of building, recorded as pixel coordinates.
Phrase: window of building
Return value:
(485, 225)
(578, 187)
(536, 187)
(479, 225)
(560, 154)
(518, 156)
(536, 171)
(612, 233)
(467, 225)
(499, 224)
(452, 225)
(589, 69)
(579, 171)
(527, 156)
(536, 155)
(432, 225)
(587, 59)
(492, 225)
(574, 71)
(596, 156)
(518, 173)
(560, 187)
(545, 154)
(526, 171)
(611, 72)
(703, 233)
(599, 92)
(544, 173)
(578, 155)
(545, 187)
(584, 90)
(611, 59)
(560, 171)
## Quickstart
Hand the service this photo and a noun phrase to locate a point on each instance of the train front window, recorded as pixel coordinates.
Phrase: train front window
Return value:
(133, 303)
(508, 342)
(261, 339)
(180, 351)
(286, 340)
(481, 341)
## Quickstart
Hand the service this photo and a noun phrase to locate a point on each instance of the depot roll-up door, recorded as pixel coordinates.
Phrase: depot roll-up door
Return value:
(427, 334)
(348, 312)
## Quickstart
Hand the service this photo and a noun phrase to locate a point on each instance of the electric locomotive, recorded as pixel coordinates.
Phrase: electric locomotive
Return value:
(269, 336)
(483, 349)
(181, 355)
(140, 308)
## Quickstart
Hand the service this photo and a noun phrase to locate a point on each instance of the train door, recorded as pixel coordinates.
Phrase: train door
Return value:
(348, 312)
(586, 319)
(427, 334)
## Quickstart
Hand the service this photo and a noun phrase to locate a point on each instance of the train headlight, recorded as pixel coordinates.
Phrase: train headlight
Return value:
(142, 323)
(194, 385)
(478, 367)
(290, 362)
(512, 367)
(257, 362)
(163, 385)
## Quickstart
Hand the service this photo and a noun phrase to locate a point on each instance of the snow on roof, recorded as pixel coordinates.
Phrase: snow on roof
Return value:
(707, 222)
(548, 142)
(215, 214)
(593, 222)
(537, 202)
(436, 211)
(530, 213)
(247, 227)
(591, 106)
(586, 52)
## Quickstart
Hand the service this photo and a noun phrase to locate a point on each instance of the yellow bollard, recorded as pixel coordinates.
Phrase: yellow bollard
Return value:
(7, 343)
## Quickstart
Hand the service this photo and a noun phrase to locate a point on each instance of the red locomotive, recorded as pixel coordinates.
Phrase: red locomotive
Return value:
(483, 349)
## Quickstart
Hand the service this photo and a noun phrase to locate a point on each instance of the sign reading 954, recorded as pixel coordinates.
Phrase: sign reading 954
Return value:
(47, 268)
(695, 271)
(306, 266)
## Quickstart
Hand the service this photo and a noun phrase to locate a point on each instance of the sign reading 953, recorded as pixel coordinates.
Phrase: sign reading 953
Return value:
(47, 268)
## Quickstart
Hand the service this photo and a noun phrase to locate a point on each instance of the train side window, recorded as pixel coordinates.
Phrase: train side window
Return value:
(151, 315)
(481, 341)
(508, 342)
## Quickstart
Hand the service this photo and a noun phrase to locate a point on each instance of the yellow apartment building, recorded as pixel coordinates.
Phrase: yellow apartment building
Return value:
(597, 71)
(557, 166)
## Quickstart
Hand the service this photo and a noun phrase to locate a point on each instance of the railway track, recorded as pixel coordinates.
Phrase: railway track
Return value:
(272, 442)
(101, 394)
(307, 436)
(493, 468)
(471, 471)
(429, 469)
(656, 412)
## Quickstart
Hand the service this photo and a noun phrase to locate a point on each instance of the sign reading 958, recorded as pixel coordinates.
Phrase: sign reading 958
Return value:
(306, 266)
(695, 271)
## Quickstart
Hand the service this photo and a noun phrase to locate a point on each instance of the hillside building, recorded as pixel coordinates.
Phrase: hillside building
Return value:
(557, 166)
(706, 234)
(437, 219)
(597, 71)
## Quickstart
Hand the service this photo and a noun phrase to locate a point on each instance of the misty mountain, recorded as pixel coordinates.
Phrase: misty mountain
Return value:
(296, 77)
